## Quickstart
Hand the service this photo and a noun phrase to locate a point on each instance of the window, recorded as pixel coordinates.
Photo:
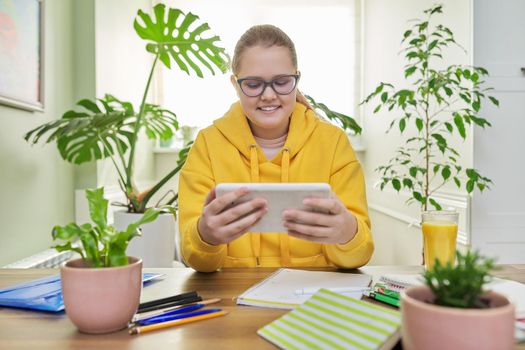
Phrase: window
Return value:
(325, 33)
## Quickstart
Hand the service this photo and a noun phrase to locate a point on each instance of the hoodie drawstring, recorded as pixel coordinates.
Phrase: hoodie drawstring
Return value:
(254, 175)
(284, 239)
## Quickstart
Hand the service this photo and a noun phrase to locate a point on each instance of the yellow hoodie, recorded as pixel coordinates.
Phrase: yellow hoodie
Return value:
(314, 151)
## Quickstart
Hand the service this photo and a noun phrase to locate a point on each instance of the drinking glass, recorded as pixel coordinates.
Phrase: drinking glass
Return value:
(440, 230)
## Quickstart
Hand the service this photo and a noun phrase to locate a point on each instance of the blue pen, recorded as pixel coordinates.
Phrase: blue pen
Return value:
(179, 310)
(164, 318)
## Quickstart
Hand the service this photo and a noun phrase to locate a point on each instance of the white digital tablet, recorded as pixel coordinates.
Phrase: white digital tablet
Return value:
(280, 196)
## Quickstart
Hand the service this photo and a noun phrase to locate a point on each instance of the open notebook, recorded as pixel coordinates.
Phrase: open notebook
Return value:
(332, 321)
(279, 289)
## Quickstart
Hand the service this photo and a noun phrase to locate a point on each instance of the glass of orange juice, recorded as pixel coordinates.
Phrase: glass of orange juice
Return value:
(440, 229)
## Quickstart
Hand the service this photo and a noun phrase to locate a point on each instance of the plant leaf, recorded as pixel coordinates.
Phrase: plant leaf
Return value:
(459, 125)
(169, 36)
(84, 137)
(98, 206)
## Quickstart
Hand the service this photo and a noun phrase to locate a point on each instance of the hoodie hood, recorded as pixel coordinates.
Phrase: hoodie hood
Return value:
(235, 128)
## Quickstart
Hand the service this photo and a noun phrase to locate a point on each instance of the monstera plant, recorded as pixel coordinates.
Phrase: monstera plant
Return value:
(109, 127)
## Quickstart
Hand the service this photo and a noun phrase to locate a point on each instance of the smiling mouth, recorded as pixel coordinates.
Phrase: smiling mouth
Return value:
(269, 108)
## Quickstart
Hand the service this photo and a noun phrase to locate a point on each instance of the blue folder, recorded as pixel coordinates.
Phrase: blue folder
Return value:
(43, 294)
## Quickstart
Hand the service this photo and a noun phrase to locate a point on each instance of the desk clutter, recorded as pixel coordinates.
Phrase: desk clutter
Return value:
(325, 307)
(172, 311)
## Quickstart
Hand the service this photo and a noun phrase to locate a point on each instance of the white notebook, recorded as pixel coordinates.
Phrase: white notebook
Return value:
(279, 290)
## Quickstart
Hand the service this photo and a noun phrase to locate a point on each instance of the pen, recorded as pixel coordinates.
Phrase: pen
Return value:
(179, 310)
(167, 300)
(313, 290)
(164, 311)
(384, 299)
(153, 327)
(174, 303)
(166, 318)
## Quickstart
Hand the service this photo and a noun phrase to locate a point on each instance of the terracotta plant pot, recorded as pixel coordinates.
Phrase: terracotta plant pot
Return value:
(428, 326)
(101, 300)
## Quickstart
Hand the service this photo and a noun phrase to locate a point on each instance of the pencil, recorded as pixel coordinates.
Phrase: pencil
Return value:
(154, 327)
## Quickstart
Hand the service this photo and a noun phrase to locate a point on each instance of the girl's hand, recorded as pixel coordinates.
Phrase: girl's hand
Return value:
(220, 222)
(335, 224)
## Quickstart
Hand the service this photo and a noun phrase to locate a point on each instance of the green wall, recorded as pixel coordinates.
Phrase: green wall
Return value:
(36, 185)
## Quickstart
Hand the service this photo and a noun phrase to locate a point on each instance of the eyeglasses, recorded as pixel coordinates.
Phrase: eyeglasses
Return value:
(282, 85)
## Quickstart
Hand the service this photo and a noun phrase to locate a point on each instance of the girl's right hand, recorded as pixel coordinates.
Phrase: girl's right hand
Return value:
(221, 223)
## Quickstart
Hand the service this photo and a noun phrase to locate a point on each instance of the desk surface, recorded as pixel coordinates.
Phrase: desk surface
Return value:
(20, 329)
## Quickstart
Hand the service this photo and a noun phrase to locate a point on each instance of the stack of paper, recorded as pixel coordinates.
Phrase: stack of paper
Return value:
(282, 289)
(332, 321)
(43, 294)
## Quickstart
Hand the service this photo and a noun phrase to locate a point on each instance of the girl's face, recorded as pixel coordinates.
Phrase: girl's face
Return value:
(269, 113)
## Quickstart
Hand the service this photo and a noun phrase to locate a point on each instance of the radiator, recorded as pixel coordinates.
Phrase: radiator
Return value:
(48, 258)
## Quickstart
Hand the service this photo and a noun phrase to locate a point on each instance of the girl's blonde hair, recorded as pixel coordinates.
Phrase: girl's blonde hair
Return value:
(265, 35)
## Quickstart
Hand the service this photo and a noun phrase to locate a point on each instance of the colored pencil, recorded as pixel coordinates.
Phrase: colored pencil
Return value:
(154, 327)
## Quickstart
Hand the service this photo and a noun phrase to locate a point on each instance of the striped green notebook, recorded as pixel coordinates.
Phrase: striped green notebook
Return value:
(332, 321)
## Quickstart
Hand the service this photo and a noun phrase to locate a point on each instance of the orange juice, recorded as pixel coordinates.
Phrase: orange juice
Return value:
(439, 242)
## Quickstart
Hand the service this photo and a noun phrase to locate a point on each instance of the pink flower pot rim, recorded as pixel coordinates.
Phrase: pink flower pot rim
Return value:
(79, 265)
(407, 297)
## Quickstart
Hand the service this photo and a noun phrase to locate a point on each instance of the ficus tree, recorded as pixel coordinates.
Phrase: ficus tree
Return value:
(438, 105)
(109, 128)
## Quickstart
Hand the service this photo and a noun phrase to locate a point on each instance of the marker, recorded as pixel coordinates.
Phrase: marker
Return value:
(384, 299)
(313, 290)
(382, 289)
(171, 304)
(167, 300)
(153, 327)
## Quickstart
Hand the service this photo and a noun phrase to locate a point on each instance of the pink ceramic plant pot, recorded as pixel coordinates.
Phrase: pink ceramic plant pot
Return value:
(428, 326)
(101, 300)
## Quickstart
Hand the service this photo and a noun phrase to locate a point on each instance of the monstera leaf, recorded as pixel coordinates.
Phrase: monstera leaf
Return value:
(99, 132)
(159, 122)
(186, 47)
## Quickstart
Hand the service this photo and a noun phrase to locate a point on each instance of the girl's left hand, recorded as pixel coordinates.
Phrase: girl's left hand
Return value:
(334, 224)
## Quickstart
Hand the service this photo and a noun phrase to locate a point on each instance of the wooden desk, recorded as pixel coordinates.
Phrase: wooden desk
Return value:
(20, 329)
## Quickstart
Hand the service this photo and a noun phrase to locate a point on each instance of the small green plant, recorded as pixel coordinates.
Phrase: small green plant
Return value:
(460, 286)
(101, 245)
(109, 128)
(438, 105)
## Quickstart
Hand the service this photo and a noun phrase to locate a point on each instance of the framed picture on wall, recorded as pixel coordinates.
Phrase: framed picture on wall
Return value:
(22, 54)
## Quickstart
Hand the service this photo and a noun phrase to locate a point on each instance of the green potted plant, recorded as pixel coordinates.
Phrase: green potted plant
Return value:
(438, 105)
(109, 127)
(101, 289)
(454, 311)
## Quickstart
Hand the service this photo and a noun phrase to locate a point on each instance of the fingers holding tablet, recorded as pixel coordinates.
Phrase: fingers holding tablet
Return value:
(326, 220)
(228, 215)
